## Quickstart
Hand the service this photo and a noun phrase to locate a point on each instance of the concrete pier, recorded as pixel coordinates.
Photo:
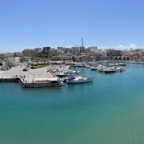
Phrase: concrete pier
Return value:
(27, 78)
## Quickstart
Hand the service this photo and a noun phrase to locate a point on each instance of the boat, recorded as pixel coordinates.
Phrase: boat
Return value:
(80, 79)
(93, 68)
(109, 70)
(121, 64)
(41, 82)
(119, 69)
(62, 74)
(112, 69)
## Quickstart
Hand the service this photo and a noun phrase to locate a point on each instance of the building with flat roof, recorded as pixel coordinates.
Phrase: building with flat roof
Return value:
(61, 58)
(46, 50)
(14, 61)
(29, 53)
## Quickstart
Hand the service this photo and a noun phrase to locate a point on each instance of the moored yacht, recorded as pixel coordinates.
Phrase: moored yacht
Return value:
(41, 82)
(79, 79)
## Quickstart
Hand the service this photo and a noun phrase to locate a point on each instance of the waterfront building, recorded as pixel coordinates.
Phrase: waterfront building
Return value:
(73, 50)
(59, 51)
(123, 58)
(96, 56)
(126, 52)
(46, 50)
(52, 51)
(61, 58)
(2, 56)
(14, 61)
(6, 55)
(87, 50)
(25, 59)
(93, 49)
(29, 53)
(113, 52)
(104, 53)
(17, 54)
(38, 49)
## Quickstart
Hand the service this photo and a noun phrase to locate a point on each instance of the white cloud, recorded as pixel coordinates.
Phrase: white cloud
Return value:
(123, 47)
(129, 46)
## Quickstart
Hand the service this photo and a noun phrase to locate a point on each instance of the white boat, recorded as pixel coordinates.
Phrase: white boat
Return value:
(87, 66)
(93, 68)
(119, 69)
(41, 82)
(100, 68)
(80, 79)
(109, 70)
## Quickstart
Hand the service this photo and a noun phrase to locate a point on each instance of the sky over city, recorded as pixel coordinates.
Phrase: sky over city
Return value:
(103, 23)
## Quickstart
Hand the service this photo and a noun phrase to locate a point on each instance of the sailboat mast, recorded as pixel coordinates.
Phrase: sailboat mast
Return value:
(82, 51)
(76, 59)
(82, 46)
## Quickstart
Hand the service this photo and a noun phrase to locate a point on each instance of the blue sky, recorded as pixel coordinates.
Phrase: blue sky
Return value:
(102, 23)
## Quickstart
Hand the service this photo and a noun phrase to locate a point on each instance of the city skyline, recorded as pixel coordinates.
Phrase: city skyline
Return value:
(105, 24)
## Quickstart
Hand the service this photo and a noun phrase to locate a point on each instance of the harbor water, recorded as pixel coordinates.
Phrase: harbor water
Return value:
(109, 110)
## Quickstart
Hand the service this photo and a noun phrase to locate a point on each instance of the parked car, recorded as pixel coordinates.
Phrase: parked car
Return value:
(26, 69)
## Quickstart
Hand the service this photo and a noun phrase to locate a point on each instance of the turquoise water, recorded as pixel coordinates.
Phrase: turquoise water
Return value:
(109, 110)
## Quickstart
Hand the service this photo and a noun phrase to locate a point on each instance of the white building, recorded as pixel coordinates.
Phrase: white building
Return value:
(104, 53)
(14, 61)
(93, 49)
